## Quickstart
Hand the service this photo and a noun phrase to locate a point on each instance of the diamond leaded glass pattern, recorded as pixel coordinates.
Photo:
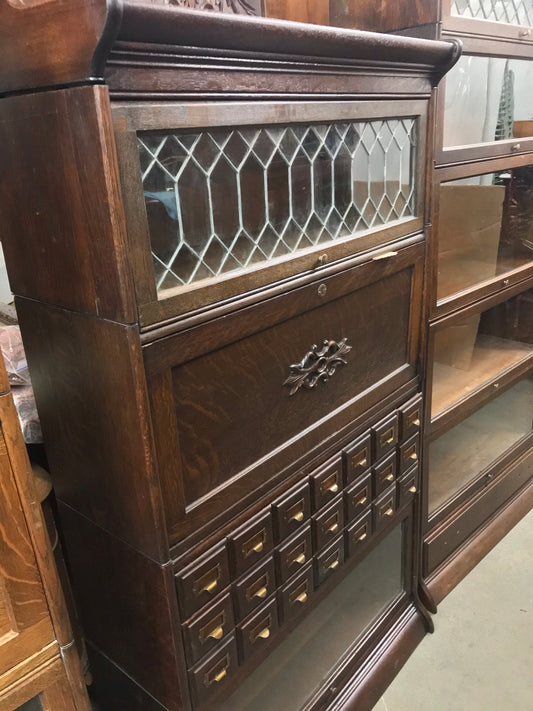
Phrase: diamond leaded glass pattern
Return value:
(223, 200)
(512, 12)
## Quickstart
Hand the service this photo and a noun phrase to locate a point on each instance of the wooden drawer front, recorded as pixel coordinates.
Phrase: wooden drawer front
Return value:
(252, 590)
(328, 524)
(409, 453)
(255, 632)
(212, 673)
(384, 473)
(201, 582)
(383, 508)
(292, 510)
(385, 436)
(250, 543)
(326, 484)
(358, 534)
(329, 561)
(357, 458)
(411, 418)
(408, 485)
(294, 554)
(204, 632)
(295, 596)
(230, 373)
(358, 497)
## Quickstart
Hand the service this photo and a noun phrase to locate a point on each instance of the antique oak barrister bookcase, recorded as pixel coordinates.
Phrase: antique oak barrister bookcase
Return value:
(214, 229)
(478, 437)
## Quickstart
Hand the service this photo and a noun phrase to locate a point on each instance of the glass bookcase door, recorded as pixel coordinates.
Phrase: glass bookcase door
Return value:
(222, 208)
(459, 457)
(485, 229)
(488, 99)
(224, 200)
(474, 351)
(511, 12)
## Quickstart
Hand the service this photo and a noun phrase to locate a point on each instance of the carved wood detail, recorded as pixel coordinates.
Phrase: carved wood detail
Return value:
(235, 7)
(317, 365)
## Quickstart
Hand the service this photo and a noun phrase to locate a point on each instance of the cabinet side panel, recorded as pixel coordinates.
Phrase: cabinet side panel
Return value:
(125, 606)
(91, 396)
(63, 227)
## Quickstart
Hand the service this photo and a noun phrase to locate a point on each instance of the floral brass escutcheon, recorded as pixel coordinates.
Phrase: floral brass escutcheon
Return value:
(317, 365)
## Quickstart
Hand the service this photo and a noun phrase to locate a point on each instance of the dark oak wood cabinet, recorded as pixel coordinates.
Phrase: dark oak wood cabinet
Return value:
(215, 232)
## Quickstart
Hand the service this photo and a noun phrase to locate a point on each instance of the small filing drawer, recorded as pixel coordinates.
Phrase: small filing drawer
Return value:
(202, 581)
(254, 588)
(204, 632)
(408, 485)
(212, 673)
(409, 453)
(357, 457)
(294, 554)
(258, 629)
(250, 543)
(410, 418)
(328, 524)
(383, 508)
(385, 435)
(358, 534)
(358, 496)
(295, 596)
(292, 510)
(384, 473)
(329, 561)
(326, 484)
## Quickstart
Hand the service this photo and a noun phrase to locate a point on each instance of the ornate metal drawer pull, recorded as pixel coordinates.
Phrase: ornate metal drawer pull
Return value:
(317, 365)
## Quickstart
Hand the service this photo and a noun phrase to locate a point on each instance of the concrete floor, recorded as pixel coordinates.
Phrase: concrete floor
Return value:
(481, 655)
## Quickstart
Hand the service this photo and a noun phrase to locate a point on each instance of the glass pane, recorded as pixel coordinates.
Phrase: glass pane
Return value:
(456, 458)
(301, 664)
(488, 99)
(31, 705)
(224, 200)
(512, 12)
(475, 350)
(485, 228)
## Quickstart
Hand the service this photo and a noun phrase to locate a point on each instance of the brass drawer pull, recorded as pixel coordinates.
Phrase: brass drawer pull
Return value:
(255, 544)
(217, 634)
(413, 456)
(384, 255)
(331, 526)
(300, 559)
(389, 512)
(262, 631)
(259, 588)
(333, 565)
(412, 489)
(298, 517)
(332, 488)
(363, 536)
(362, 501)
(207, 583)
(214, 629)
(215, 677)
(388, 437)
(360, 459)
(299, 595)
(389, 477)
(211, 587)
(264, 634)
